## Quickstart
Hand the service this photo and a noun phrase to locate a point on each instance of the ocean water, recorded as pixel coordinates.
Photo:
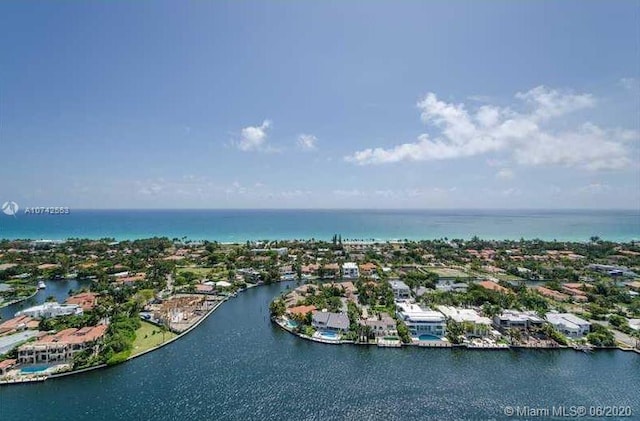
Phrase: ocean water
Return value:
(242, 225)
(237, 365)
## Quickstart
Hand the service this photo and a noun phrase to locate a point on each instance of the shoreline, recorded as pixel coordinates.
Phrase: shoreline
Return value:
(131, 357)
(19, 300)
(283, 326)
(439, 344)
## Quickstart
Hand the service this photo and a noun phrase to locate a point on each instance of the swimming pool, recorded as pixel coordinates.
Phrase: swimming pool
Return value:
(292, 324)
(329, 335)
(34, 368)
(427, 337)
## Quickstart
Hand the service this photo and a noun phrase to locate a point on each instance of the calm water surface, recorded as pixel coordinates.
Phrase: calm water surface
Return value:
(242, 225)
(238, 366)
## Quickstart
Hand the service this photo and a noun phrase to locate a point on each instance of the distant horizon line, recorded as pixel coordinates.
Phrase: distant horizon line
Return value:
(355, 209)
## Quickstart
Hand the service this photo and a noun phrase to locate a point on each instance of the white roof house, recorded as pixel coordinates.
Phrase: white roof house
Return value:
(421, 321)
(350, 270)
(464, 315)
(569, 324)
(223, 284)
(517, 319)
(51, 309)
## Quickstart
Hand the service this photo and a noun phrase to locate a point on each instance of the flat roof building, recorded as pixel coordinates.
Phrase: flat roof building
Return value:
(569, 324)
(421, 321)
(514, 319)
(51, 309)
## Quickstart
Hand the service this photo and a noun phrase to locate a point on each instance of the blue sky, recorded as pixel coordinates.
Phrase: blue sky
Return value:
(281, 104)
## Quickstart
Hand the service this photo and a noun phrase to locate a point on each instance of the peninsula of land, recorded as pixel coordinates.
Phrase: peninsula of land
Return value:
(142, 294)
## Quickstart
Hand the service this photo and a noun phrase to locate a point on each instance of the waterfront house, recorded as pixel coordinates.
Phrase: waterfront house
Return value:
(310, 270)
(569, 324)
(481, 325)
(287, 273)
(421, 321)
(324, 320)
(401, 291)
(86, 300)
(6, 365)
(383, 325)
(50, 309)
(62, 346)
(514, 319)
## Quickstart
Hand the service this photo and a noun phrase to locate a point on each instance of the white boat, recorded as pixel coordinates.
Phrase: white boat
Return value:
(41, 285)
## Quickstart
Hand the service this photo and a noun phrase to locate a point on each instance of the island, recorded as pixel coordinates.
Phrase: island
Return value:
(135, 296)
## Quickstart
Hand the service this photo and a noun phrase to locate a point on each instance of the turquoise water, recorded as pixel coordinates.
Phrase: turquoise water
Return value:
(292, 324)
(329, 335)
(237, 365)
(242, 225)
(428, 338)
(34, 369)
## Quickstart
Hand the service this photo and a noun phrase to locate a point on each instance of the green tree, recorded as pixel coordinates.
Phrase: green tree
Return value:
(277, 308)
(403, 332)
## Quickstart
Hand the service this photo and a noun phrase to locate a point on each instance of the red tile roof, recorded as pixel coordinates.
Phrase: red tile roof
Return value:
(301, 310)
(75, 336)
(490, 285)
(7, 363)
(552, 294)
(86, 300)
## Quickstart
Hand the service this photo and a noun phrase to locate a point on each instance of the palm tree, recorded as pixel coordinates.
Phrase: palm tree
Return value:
(514, 334)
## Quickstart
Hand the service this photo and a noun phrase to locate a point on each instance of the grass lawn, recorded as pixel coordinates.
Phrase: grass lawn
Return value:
(200, 271)
(449, 272)
(145, 339)
(507, 277)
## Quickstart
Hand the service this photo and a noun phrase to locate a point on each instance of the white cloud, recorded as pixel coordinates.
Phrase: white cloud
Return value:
(254, 138)
(589, 147)
(528, 135)
(505, 174)
(307, 142)
(549, 103)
